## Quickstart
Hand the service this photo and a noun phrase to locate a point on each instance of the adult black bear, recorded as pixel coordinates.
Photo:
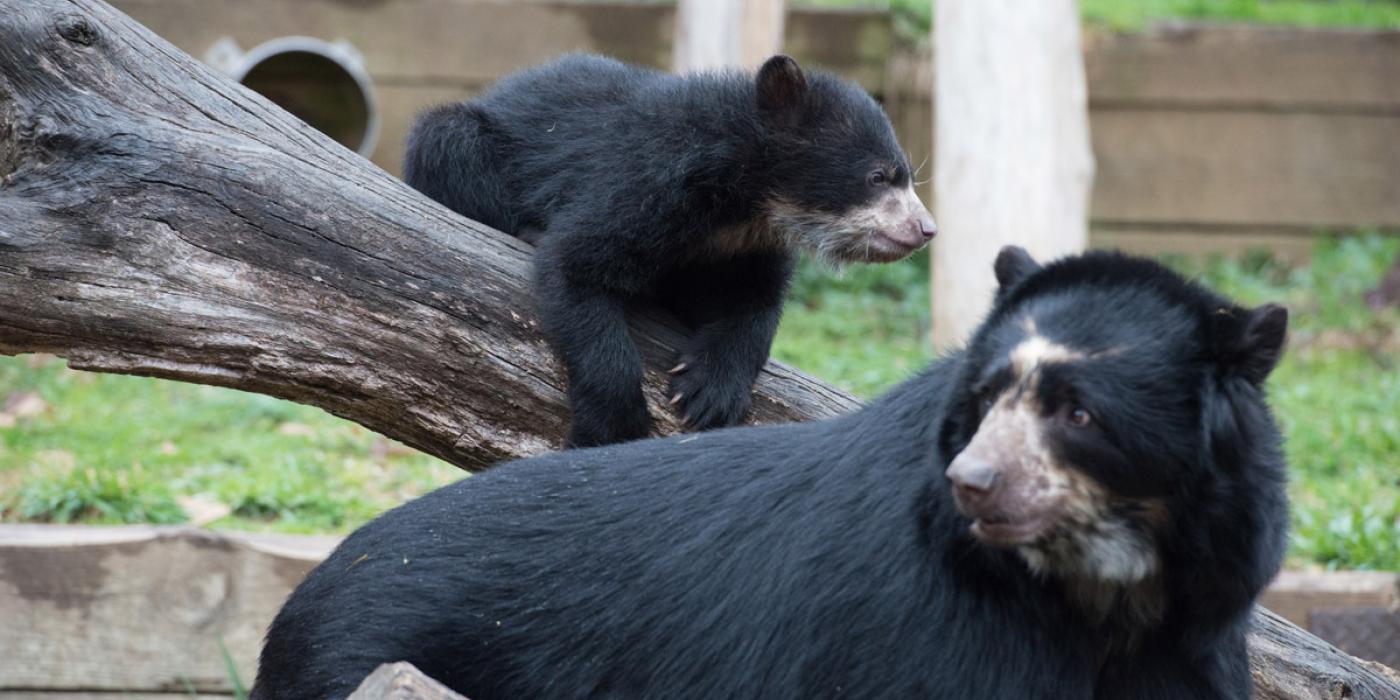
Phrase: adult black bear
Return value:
(691, 192)
(1084, 503)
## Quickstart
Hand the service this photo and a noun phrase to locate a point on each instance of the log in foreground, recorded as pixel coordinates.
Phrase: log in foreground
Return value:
(158, 219)
(401, 681)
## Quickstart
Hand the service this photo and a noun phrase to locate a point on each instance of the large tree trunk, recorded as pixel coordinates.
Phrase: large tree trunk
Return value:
(1012, 162)
(157, 219)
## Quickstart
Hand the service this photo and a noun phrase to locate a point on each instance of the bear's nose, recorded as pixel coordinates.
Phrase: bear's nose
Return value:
(973, 477)
(927, 228)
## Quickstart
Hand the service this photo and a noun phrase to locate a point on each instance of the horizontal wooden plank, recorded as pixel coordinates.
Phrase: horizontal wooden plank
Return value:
(140, 609)
(420, 40)
(1262, 169)
(1248, 66)
(1368, 633)
(1219, 170)
(464, 43)
(1232, 67)
(1290, 245)
(1295, 594)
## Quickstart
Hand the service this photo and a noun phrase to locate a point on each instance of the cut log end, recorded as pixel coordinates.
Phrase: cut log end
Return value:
(401, 681)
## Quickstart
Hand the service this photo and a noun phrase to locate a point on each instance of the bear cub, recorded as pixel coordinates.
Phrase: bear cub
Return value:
(691, 192)
(1083, 503)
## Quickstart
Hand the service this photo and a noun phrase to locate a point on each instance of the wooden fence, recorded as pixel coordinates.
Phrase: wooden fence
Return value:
(1207, 138)
(1227, 137)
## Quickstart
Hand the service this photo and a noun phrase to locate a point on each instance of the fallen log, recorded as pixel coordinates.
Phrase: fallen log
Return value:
(401, 681)
(158, 219)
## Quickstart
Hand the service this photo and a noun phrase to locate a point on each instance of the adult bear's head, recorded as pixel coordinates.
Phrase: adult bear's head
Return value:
(1109, 423)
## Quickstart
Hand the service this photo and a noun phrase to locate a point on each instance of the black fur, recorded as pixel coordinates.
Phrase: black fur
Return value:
(828, 559)
(638, 185)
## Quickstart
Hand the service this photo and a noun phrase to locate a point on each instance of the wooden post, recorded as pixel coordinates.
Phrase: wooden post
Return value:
(1012, 162)
(718, 33)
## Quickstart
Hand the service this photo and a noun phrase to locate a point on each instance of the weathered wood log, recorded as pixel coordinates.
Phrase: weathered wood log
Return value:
(157, 219)
(1289, 664)
(401, 681)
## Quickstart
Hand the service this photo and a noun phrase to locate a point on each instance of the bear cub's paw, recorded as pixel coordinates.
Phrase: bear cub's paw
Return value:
(708, 394)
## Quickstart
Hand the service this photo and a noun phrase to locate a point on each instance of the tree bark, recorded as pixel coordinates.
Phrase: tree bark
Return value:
(1012, 162)
(158, 219)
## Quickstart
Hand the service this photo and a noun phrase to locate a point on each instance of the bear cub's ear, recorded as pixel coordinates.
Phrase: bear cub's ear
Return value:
(1013, 265)
(781, 88)
(1258, 343)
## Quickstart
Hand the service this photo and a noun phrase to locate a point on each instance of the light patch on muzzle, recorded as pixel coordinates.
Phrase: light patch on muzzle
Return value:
(1020, 495)
(888, 228)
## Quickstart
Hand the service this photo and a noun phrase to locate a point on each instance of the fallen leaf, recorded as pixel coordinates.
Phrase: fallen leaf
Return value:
(39, 359)
(202, 510)
(25, 404)
(296, 430)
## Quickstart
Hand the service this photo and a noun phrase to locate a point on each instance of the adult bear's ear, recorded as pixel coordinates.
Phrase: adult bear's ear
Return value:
(781, 89)
(1013, 265)
(1256, 342)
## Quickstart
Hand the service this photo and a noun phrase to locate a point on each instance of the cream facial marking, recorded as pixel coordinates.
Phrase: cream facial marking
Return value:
(1037, 350)
(1021, 495)
(884, 230)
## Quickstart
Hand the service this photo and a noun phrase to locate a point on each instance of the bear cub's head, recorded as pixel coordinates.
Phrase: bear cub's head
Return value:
(841, 187)
(1109, 424)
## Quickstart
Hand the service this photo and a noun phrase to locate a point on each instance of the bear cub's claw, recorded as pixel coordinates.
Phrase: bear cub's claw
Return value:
(708, 397)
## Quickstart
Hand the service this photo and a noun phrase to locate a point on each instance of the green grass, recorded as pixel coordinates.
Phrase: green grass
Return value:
(865, 327)
(114, 449)
(1337, 395)
(915, 16)
(1132, 15)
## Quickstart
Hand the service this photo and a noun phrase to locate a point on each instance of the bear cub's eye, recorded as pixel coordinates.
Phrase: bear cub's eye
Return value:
(878, 178)
(1079, 418)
